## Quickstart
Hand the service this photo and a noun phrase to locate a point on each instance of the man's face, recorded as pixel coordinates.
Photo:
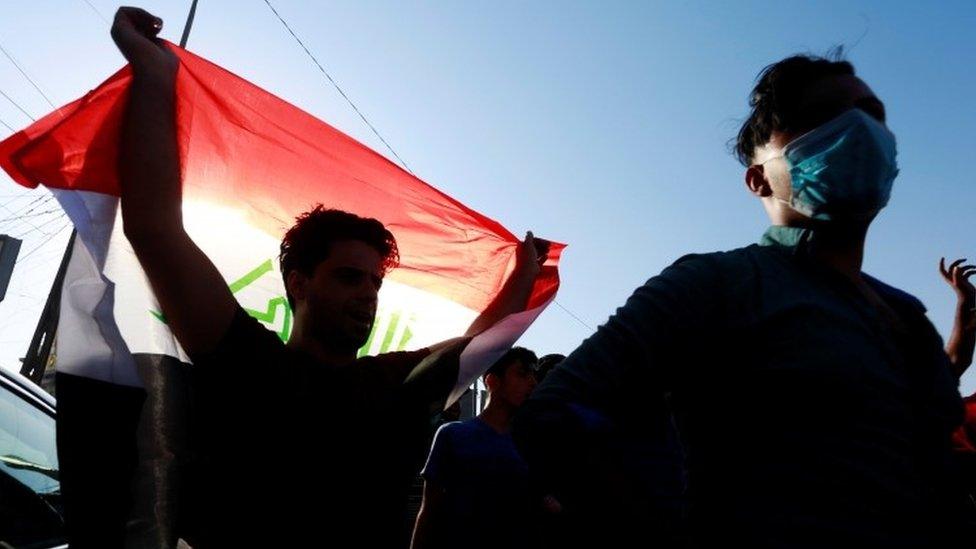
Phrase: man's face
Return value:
(827, 99)
(340, 297)
(516, 384)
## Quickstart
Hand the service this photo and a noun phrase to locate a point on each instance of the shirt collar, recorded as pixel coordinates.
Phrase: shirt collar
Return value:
(797, 239)
(791, 238)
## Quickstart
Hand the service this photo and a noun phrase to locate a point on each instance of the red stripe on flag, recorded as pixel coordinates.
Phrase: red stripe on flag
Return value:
(244, 148)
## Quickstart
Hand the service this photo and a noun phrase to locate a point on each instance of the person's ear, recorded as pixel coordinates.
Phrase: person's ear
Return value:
(757, 182)
(297, 284)
(492, 381)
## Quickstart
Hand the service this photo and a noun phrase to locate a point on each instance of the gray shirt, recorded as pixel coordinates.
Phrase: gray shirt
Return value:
(809, 415)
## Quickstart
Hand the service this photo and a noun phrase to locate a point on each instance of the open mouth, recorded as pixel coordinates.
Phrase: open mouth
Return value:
(362, 317)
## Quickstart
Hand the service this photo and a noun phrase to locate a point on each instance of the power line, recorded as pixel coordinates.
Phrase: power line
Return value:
(37, 199)
(27, 227)
(29, 79)
(17, 214)
(27, 114)
(23, 221)
(40, 261)
(98, 13)
(49, 221)
(7, 125)
(339, 89)
(41, 245)
(8, 204)
(28, 214)
(45, 200)
(36, 228)
(373, 128)
(570, 313)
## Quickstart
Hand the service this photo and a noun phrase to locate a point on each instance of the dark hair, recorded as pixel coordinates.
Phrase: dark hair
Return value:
(547, 363)
(774, 99)
(308, 242)
(510, 357)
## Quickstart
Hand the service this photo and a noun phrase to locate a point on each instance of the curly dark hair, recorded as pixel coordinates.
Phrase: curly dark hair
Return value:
(774, 100)
(308, 242)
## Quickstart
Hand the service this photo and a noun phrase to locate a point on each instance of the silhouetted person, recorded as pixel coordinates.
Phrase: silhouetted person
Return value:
(299, 442)
(477, 491)
(815, 403)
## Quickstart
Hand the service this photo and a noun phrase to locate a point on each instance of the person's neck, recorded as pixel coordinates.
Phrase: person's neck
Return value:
(302, 341)
(497, 415)
(840, 247)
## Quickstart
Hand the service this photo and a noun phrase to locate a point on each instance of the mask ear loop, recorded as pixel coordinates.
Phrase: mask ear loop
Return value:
(789, 203)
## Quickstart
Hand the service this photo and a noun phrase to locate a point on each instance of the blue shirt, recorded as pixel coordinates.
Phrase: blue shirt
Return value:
(489, 500)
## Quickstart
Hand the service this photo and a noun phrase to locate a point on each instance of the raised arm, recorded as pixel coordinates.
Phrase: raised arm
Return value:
(962, 341)
(514, 296)
(432, 380)
(193, 296)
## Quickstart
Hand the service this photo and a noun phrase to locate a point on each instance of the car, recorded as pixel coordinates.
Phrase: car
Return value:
(31, 509)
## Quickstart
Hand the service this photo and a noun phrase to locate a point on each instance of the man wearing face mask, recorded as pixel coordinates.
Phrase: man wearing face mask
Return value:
(815, 403)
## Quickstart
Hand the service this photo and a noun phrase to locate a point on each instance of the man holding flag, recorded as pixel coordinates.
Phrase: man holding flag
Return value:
(348, 425)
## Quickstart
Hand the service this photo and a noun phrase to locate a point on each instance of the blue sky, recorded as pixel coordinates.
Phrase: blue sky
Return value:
(604, 125)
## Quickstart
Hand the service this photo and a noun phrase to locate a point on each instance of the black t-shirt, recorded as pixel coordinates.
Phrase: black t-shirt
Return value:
(287, 449)
(811, 416)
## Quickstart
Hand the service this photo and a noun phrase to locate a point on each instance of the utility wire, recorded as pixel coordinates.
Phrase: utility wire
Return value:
(41, 245)
(570, 313)
(339, 89)
(21, 109)
(29, 79)
(373, 128)
(20, 209)
(98, 13)
(28, 214)
(48, 222)
(23, 220)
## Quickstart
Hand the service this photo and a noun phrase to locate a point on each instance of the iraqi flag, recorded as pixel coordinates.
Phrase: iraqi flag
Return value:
(250, 163)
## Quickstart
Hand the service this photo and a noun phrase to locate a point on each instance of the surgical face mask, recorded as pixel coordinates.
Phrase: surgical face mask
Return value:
(843, 169)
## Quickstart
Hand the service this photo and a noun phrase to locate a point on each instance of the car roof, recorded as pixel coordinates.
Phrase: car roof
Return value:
(28, 390)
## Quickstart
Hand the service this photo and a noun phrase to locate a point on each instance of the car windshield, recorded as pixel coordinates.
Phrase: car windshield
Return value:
(27, 444)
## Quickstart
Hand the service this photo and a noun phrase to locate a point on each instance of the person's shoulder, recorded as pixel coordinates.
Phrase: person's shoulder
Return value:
(892, 293)
(396, 357)
(467, 425)
(450, 431)
(720, 257)
(452, 426)
(388, 370)
(463, 427)
(245, 339)
(713, 268)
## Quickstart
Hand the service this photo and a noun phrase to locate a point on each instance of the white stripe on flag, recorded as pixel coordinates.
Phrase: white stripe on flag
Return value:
(89, 342)
(488, 346)
(109, 312)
